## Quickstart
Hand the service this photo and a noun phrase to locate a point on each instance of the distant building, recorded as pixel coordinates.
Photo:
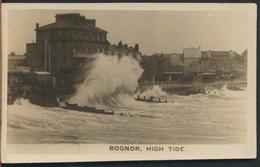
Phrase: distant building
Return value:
(153, 68)
(173, 66)
(216, 61)
(192, 52)
(244, 54)
(14, 61)
(16, 72)
(124, 50)
(196, 63)
(192, 60)
(239, 64)
(163, 67)
(223, 63)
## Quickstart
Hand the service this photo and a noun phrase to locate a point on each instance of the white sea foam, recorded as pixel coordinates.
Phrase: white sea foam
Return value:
(108, 77)
(155, 91)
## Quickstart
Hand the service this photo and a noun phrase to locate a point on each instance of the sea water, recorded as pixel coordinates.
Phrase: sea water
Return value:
(218, 117)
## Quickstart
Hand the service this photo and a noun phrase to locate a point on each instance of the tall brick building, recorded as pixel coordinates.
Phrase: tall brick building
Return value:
(59, 44)
(63, 47)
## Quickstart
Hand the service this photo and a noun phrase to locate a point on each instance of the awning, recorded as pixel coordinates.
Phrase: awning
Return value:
(173, 73)
(84, 55)
(42, 73)
(208, 74)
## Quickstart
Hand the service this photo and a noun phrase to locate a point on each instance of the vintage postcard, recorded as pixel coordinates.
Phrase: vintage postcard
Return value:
(118, 82)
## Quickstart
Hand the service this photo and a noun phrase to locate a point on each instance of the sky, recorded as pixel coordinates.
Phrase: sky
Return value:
(154, 31)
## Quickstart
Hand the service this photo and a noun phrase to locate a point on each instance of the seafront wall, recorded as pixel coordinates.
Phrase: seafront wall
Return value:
(191, 87)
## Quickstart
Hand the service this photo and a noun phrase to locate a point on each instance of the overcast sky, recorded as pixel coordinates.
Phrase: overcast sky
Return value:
(165, 32)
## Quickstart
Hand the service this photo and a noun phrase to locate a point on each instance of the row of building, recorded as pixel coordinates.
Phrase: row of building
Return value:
(195, 63)
(63, 48)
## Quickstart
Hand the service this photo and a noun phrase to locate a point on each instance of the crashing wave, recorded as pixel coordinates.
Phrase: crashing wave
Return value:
(108, 78)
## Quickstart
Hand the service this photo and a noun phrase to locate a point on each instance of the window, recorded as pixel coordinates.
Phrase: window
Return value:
(59, 33)
(67, 33)
(68, 45)
(42, 59)
(59, 45)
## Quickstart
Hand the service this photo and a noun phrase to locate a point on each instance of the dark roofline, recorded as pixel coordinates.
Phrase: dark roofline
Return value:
(82, 24)
(67, 14)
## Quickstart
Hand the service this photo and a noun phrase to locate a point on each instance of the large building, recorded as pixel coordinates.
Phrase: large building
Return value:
(163, 67)
(222, 61)
(194, 63)
(61, 46)
(15, 61)
(192, 60)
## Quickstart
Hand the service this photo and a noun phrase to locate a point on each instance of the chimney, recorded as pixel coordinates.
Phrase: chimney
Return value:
(91, 22)
(120, 44)
(37, 26)
(137, 47)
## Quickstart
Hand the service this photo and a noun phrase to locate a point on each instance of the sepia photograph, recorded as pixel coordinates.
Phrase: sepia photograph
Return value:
(129, 77)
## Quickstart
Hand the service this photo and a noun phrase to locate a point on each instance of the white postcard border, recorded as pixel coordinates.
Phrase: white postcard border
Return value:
(48, 153)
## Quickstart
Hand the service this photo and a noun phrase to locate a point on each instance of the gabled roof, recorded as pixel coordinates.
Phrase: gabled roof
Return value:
(59, 25)
(244, 53)
(220, 54)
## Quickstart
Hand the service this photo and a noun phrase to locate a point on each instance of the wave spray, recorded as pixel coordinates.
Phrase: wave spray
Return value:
(108, 77)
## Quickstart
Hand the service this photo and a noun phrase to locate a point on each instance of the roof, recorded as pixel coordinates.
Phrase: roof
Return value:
(220, 54)
(244, 53)
(153, 58)
(80, 23)
(16, 57)
(192, 52)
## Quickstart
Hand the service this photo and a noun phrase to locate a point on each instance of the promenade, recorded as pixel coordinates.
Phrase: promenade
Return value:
(174, 84)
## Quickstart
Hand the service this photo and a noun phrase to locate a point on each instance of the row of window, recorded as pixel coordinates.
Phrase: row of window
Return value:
(71, 45)
(72, 34)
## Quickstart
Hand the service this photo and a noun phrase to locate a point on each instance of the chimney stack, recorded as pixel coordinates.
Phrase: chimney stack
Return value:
(137, 47)
(37, 26)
